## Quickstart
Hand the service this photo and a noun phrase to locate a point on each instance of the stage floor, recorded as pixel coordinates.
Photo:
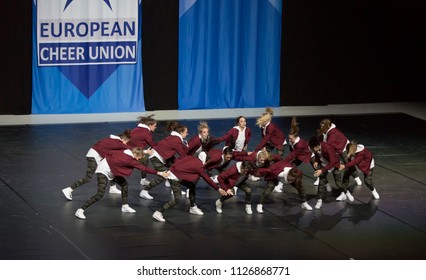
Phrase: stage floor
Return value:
(38, 223)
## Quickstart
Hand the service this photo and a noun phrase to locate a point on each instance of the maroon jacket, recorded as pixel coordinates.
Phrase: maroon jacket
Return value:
(194, 144)
(272, 134)
(300, 151)
(170, 146)
(328, 152)
(336, 139)
(228, 178)
(362, 160)
(232, 135)
(107, 145)
(122, 164)
(271, 173)
(141, 137)
(216, 159)
(191, 169)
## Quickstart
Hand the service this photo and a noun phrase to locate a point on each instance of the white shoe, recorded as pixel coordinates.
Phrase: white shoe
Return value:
(80, 214)
(183, 193)
(218, 206)
(358, 181)
(214, 179)
(328, 187)
(158, 216)
(319, 204)
(306, 206)
(235, 190)
(248, 209)
(145, 194)
(144, 182)
(167, 183)
(316, 183)
(253, 178)
(113, 189)
(195, 210)
(68, 193)
(127, 209)
(259, 208)
(341, 197)
(349, 196)
(278, 189)
(375, 194)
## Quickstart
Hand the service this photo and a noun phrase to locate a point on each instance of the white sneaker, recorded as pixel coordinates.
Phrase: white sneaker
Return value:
(144, 182)
(349, 196)
(158, 216)
(316, 183)
(218, 206)
(306, 206)
(259, 208)
(145, 194)
(80, 214)
(167, 183)
(341, 197)
(358, 181)
(214, 179)
(248, 209)
(328, 187)
(253, 178)
(68, 193)
(278, 189)
(113, 189)
(375, 194)
(127, 209)
(319, 204)
(235, 190)
(183, 193)
(195, 210)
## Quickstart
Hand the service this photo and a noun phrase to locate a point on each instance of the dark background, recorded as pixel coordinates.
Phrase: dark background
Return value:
(333, 52)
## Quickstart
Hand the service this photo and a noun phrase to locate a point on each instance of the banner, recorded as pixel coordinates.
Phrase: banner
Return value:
(229, 53)
(87, 56)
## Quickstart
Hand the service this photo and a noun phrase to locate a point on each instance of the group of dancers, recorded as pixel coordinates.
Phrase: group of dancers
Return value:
(177, 162)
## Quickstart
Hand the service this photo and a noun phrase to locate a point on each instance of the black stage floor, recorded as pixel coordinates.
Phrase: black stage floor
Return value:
(38, 223)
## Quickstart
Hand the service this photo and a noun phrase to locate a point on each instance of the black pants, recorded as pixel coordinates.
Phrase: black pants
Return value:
(177, 195)
(270, 185)
(159, 166)
(102, 184)
(368, 178)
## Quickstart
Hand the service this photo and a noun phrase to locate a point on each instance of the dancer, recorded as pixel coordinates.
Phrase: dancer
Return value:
(219, 161)
(163, 154)
(95, 154)
(299, 150)
(361, 157)
(238, 137)
(326, 160)
(272, 136)
(141, 136)
(116, 167)
(199, 142)
(329, 133)
(187, 172)
(236, 176)
(287, 174)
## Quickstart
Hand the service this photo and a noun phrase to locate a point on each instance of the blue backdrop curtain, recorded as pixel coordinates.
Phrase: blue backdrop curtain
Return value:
(229, 53)
(64, 82)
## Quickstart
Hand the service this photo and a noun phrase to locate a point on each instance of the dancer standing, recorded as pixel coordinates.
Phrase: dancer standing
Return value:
(141, 136)
(95, 154)
(116, 167)
(187, 172)
(361, 157)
